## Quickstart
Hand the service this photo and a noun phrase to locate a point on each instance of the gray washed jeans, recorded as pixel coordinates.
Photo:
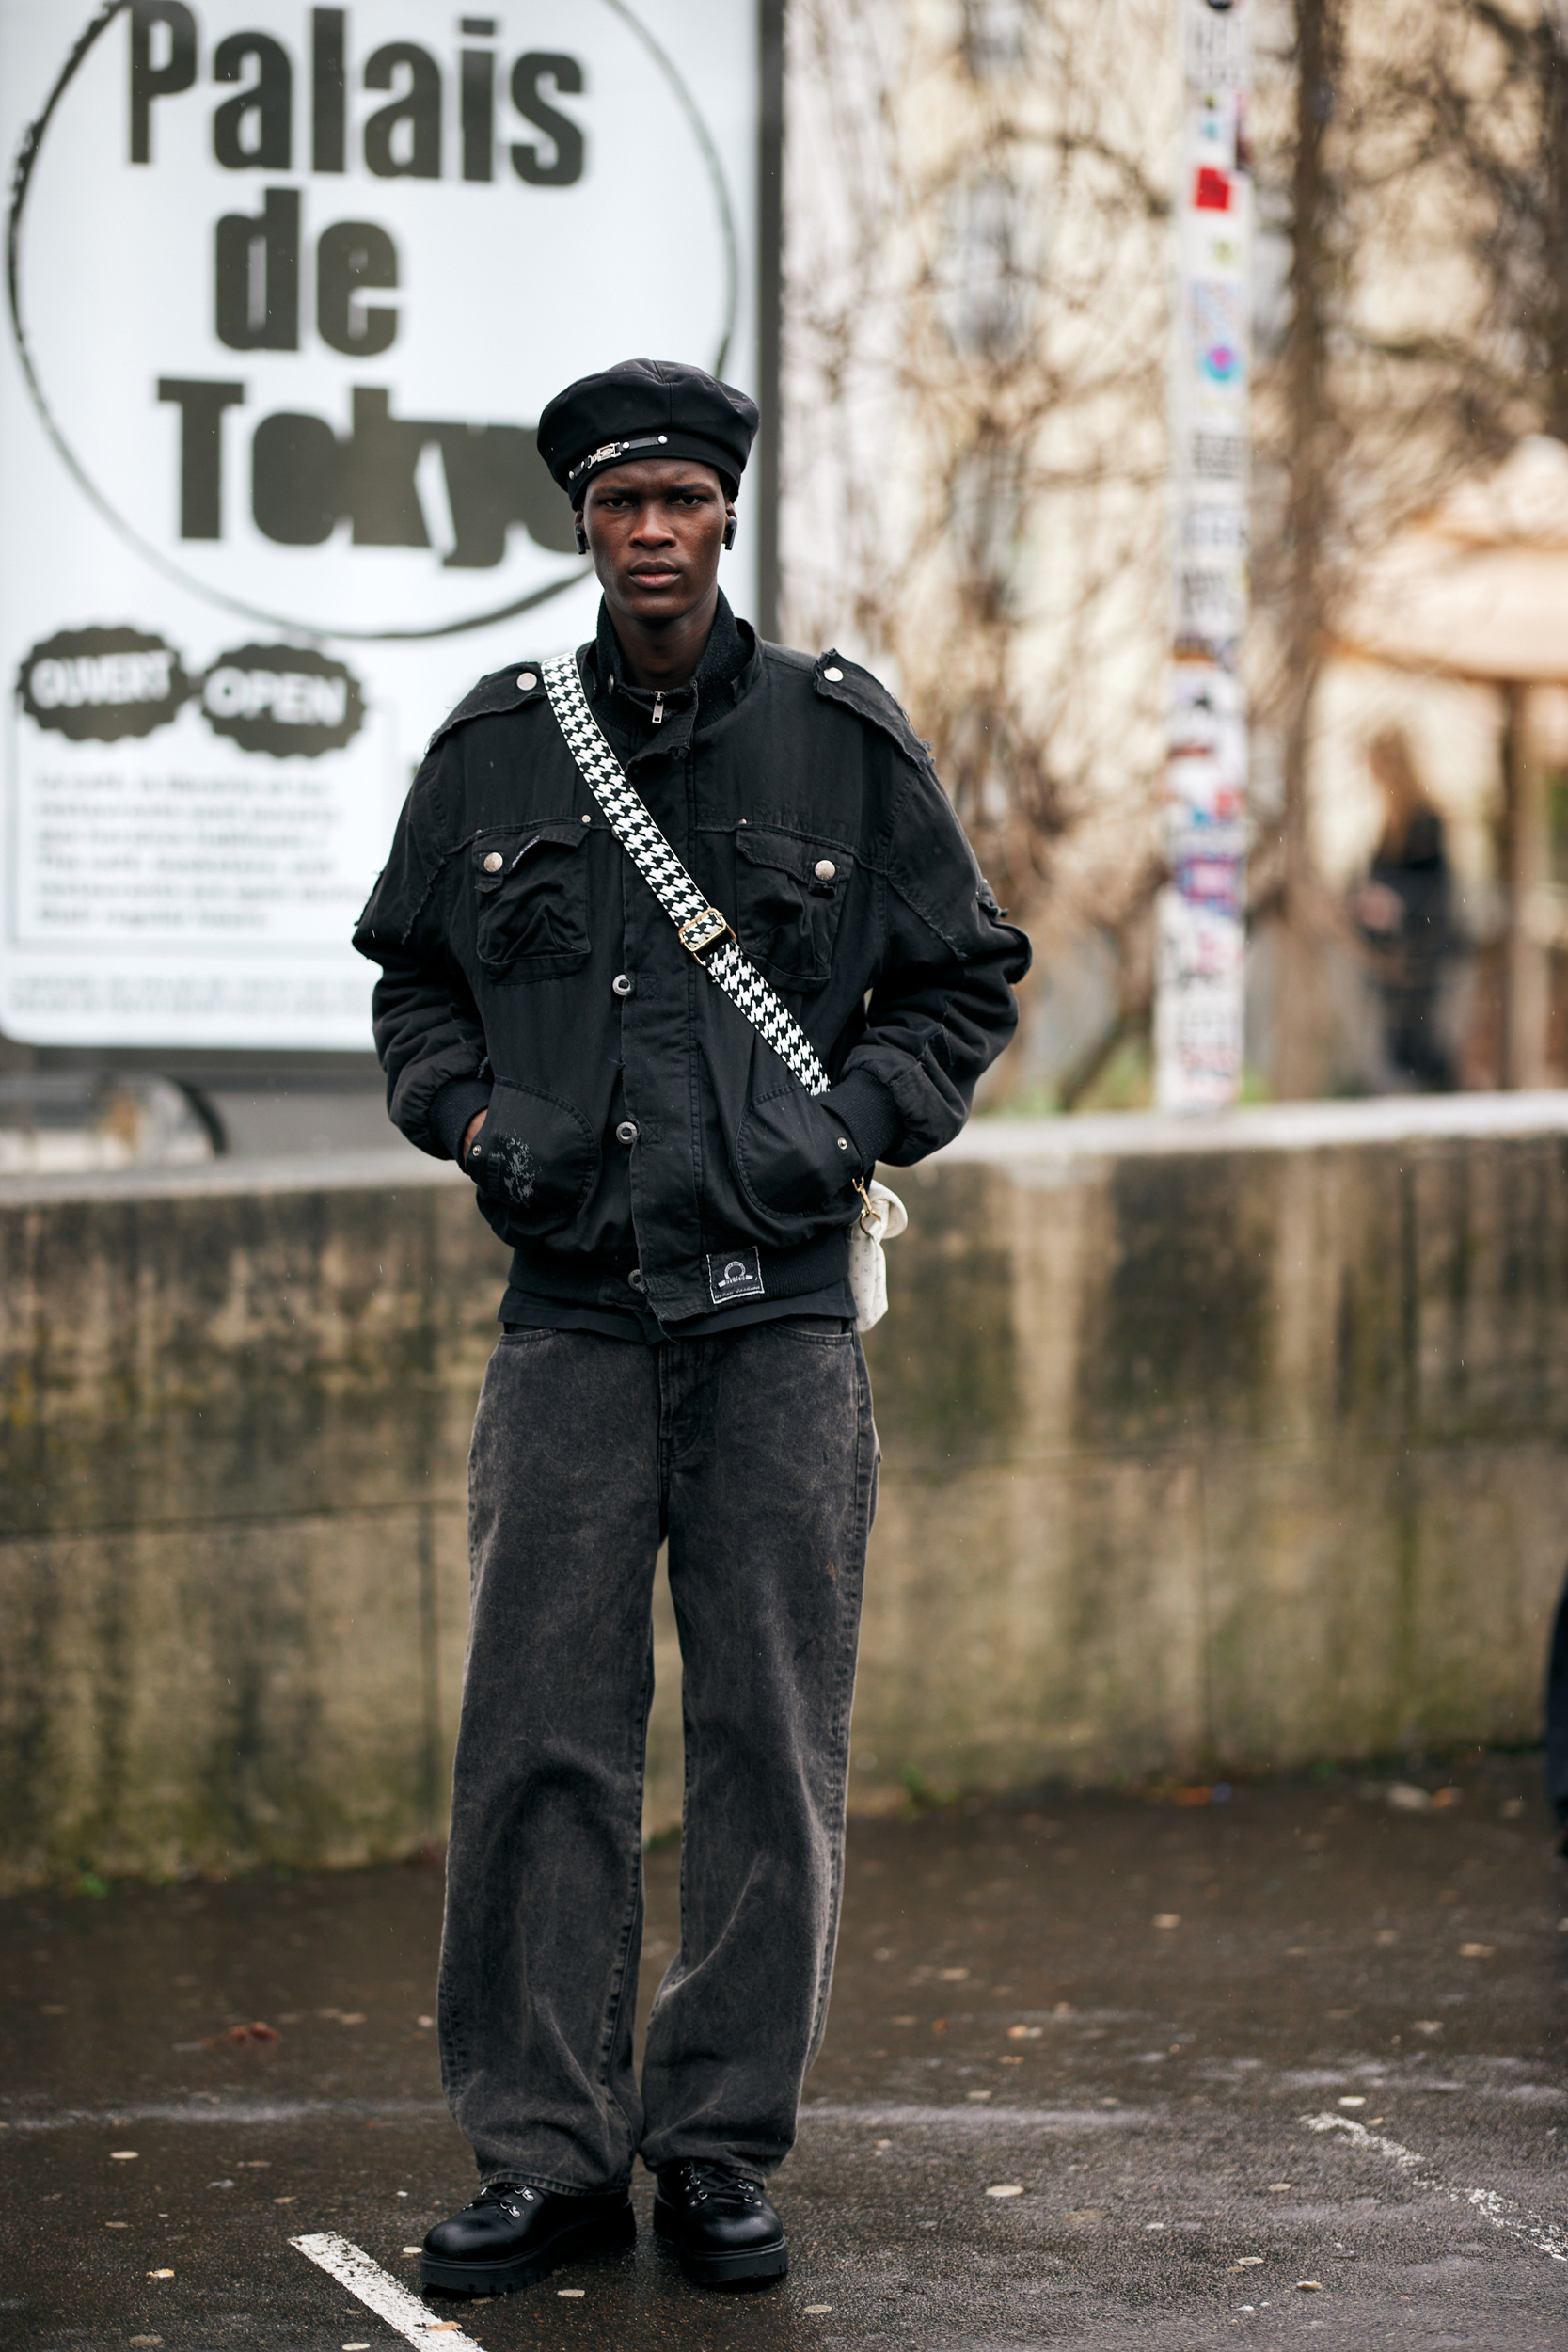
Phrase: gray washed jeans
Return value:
(755, 1453)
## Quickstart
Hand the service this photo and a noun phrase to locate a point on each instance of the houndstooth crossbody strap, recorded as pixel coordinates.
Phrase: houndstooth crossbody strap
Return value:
(701, 928)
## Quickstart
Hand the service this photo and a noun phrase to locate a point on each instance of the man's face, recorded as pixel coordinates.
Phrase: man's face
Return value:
(655, 530)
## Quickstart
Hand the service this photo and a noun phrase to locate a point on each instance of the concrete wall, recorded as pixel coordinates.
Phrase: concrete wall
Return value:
(1232, 1443)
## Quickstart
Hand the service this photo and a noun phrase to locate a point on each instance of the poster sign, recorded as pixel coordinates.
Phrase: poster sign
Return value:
(289, 286)
(1201, 913)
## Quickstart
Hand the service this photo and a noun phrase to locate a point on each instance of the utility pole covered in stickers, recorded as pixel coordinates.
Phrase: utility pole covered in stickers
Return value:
(1201, 933)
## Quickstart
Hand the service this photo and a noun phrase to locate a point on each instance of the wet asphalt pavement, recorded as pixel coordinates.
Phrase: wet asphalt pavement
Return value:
(1099, 2071)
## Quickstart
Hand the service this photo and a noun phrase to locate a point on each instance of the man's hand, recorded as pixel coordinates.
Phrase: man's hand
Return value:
(470, 1131)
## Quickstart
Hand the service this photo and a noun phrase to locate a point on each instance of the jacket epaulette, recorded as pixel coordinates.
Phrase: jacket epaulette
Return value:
(868, 698)
(501, 690)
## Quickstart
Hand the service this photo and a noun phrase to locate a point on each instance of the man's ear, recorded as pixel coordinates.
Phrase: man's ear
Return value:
(729, 524)
(583, 535)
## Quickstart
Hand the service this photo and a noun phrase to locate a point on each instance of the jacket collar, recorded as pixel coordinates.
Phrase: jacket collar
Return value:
(730, 663)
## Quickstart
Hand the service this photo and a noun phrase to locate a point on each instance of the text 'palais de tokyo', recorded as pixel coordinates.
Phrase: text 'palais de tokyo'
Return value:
(279, 277)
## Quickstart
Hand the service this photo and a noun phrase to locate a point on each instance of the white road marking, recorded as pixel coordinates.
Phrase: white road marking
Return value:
(231, 2111)
(379, 2294)
(1545, 2236)
(968, 2121)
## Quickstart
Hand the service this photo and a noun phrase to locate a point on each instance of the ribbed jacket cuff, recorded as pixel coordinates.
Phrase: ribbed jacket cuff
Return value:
(450, 1111)
(863, 1105)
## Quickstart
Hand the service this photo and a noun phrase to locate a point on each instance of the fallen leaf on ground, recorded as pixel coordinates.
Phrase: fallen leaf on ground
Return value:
(160, 2274)
(1167, 1919)
(124, 2155)
(243, 2036)
(1309, 2286)
(1477, 1951)
(1007, 2188)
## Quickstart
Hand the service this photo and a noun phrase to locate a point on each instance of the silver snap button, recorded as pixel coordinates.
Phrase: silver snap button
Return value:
(824, 869)
(634, 1279)
(627, 1132)
(527, 680)
(493, 862)
(588, 820)
(843, 1144)
(622, 984)
(834, 676)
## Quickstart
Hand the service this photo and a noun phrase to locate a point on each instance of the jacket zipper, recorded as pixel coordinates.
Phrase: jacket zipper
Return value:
(659, 710)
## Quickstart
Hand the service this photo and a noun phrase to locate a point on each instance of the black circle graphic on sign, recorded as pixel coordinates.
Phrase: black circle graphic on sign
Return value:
(282, 699)
(100, 685)
(27, 155)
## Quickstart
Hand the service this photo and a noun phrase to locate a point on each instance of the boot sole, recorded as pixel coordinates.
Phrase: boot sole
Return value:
(526, 2270)
(723, 2270)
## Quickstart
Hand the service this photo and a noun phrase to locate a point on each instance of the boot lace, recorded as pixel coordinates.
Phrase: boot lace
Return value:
(513, 2197)
(717, 2184)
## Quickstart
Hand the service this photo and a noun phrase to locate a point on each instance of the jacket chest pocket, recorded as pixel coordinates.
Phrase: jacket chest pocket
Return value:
(531, 899)
(789, 896)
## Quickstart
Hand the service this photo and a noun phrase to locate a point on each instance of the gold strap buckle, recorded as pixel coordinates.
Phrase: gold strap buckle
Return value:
(701, 930)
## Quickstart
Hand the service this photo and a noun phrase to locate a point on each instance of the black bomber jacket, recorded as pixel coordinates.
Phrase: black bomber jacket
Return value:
(644, 1145)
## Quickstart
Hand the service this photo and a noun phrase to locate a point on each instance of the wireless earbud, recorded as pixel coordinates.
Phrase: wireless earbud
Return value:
(729, 533)
(582, 540)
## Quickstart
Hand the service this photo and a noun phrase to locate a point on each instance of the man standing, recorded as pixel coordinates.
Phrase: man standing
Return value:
(679, 1355)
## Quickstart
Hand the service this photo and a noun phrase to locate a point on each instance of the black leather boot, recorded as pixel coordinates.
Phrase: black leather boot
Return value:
(513, 2234)
(720, 2223)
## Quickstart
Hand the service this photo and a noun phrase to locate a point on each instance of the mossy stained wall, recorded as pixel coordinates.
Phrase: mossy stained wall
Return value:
(1192, 1459)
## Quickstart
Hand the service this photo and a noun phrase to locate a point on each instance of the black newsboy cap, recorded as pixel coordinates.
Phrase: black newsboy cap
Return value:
(647, 409)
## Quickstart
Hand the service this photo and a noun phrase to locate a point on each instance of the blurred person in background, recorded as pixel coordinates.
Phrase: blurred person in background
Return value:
(1405, 911)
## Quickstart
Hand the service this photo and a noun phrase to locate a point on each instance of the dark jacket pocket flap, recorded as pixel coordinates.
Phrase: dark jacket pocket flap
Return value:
(788, 854)
(496, 854)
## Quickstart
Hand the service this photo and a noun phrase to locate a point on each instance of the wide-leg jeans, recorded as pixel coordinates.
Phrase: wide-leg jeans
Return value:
(754, 1453)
